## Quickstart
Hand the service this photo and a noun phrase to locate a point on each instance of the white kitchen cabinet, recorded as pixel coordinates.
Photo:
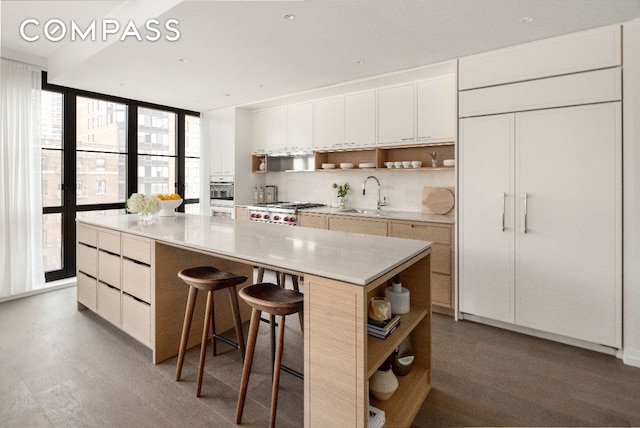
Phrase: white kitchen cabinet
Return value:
(586, 50)
(552, 261)
(300, 127)
(329, 123)
(437, 109)
(259, 136)
(277, 129)
(221, 139)
(396, 115)
(360, 119)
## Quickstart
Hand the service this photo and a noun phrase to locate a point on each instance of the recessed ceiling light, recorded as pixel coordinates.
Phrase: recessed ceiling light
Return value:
(289, 17)
(227, 95)
(360, 61)
(527, 20)
(182, 60)
(260, 86)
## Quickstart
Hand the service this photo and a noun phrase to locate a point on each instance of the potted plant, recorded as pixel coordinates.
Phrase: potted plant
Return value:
(343, 189)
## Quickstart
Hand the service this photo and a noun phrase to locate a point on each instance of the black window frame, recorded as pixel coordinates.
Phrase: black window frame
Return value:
(68, 208)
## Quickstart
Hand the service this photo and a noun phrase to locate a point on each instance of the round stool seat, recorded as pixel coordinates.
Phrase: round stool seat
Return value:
(272, 299)
(209, 278)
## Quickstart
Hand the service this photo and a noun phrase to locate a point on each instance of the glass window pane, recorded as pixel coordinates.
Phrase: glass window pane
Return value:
(98, 213)
(51, 119)
(192, 178)
(101, 125)
(192, 136)
(52, 241)
(101, 178)
(192, 208)
(160, 174)
(51, 178)
(156, 132)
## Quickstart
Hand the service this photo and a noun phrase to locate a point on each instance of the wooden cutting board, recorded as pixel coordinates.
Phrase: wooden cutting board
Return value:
(438, 200)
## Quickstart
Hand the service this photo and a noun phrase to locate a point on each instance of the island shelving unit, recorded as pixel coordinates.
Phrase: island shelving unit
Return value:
(341, 272)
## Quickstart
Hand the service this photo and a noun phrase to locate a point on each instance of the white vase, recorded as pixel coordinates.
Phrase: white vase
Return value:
(342, 201)
(383, 384)
(144, 218)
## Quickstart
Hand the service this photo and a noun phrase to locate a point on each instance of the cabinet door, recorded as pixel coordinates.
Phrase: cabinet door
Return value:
(568, 263)
(486, 217)
(396, 115)
(300, 127)
(220, 125)
(358, 225)
(259, 136)
(360, 119)
(437, 113)
(329, 123)
(277, 129)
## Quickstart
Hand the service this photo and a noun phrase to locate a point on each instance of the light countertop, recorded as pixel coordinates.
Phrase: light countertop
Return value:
(353, 258)
(385, 214)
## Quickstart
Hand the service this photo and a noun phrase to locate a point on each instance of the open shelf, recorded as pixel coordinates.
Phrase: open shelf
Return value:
(378, 350)
(401, 409)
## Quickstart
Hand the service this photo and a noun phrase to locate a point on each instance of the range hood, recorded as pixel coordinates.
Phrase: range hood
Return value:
(291, 162)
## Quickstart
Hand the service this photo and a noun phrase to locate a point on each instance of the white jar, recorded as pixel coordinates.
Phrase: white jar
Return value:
(399, 298)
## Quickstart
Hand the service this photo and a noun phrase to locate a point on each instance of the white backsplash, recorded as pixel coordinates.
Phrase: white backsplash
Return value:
(403, 189)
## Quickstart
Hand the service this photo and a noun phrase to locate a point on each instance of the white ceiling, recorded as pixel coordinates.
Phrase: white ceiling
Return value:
(240, 52)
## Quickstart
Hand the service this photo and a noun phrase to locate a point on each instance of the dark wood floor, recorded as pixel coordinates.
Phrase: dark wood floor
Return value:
(61, 367)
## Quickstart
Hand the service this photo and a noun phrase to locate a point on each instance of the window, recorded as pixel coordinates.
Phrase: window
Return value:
(105, 157)
(101, 187)
(118, 147)
(192, 160)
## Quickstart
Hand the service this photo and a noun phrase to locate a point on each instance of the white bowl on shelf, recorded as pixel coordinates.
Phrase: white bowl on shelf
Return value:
(397, 164)
(346, 165)
(406, 164)
(168, 207)
(328, 165)
(388, 164)
(416, 164)
(367, 165)
(449, 162)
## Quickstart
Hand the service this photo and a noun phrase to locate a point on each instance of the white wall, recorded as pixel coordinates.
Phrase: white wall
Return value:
(403, 189)
(631, 194)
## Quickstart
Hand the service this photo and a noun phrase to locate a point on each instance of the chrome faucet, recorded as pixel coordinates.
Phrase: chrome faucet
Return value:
(381, 202)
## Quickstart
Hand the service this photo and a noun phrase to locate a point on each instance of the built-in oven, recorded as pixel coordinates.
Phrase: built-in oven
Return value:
(221, 195)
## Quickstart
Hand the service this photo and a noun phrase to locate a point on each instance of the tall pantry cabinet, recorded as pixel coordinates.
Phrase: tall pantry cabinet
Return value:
(540, 205)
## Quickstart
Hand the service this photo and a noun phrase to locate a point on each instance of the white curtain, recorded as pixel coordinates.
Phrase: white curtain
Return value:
(21, 233)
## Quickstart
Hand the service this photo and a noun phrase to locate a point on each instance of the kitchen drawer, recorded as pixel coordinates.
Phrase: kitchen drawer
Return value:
(136, 279)
(441, 290)
(313, 221)
(136, 248)
(358, 225)
(441, 258)
(86, 290)
(109, 240)
(87, 260)
(87, 235)
(425, 232)
(136, 319)
(109, 268)
(109, 303)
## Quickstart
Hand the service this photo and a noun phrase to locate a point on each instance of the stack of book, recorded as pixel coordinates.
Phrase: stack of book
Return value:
(381, 329)
(376, 417)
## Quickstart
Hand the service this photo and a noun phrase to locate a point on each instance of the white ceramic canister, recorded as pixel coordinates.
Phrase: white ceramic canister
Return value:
(399, 298)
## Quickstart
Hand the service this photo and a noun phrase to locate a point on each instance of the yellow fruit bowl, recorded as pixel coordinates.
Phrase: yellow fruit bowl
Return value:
(167, 207)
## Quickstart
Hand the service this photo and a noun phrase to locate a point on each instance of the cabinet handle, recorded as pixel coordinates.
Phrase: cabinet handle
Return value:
(525, 213)
(407, 139)
(504, 198)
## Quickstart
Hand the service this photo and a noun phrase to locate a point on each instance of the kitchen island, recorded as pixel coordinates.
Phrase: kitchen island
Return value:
(118, 257)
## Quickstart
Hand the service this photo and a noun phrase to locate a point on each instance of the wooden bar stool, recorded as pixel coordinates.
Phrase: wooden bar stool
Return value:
(276, 301)
(208, 279)
(281, 280)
